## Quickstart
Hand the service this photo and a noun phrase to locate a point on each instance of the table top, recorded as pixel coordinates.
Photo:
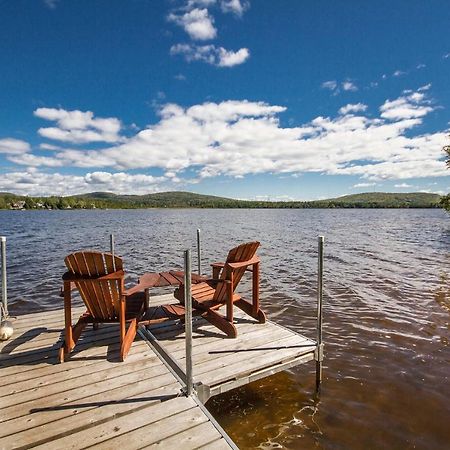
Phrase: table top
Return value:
(161, 279)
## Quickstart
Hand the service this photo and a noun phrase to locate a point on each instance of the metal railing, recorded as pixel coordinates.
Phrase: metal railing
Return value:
(319, 342)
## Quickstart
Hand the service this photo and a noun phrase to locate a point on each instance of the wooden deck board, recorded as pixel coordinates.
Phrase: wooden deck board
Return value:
(95, 400)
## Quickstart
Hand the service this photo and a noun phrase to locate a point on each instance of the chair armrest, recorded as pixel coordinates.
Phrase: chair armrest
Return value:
(217, 264)
(118, 275)
(239, 265)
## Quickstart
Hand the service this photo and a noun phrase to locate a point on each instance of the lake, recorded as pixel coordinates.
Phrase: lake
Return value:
(386, 310)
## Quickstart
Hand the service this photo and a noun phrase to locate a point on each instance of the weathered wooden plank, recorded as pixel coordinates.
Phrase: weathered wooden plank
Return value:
(76, 369)
(134, 421)
(116, 380)
(215, 374)
(82, 377)
(16, 362)
(43, 339)
(191, 438)
(219, 444)
(31, 361)
(154, 431)
(214, 349)
(52, 423)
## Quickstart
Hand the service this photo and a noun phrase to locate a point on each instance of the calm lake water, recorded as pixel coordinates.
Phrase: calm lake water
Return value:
(386, 305)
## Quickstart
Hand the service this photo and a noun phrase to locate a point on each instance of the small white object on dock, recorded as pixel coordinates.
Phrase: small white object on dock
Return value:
(6, 330)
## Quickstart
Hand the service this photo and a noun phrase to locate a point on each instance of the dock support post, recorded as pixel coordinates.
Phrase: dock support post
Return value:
(6, 328)
(319, 348)
(199, 255)
(188, 321)
(4, 308)
(112, 247)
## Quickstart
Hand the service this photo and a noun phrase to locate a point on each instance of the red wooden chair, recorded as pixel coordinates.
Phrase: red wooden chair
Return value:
(99, 278)
(209, 296)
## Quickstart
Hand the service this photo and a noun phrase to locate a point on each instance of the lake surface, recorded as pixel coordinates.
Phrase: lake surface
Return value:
(386, 311)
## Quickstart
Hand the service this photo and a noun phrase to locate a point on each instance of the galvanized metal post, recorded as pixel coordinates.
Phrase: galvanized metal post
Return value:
(199, 255)
(4, 308)
(319, 348)
(188, 321)
(112, 246)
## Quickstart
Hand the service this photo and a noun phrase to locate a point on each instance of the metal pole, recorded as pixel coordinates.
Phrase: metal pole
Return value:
(4, 308)
(199, 257)
(111, 244)
(188, 321)
(319, 349)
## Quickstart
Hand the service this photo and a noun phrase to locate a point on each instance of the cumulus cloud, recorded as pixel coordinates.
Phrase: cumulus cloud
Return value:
(78, 126)
(336, 87)
(403, 186)
(216, 56)
(236, 138)
(197, 23)
(237, 7)
(398, 73)
(11, 146)
(363, 185)
(331, 85)
(349, 86)
(352, 108)
(410, 106)
(35, 182)
(30, 160)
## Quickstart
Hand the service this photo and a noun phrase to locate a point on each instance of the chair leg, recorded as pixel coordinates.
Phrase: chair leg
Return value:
(249, 309)
(221, 323)
(128, 339)
(72, 336)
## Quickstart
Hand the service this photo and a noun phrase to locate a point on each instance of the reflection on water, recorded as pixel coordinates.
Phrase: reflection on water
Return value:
(387, 311)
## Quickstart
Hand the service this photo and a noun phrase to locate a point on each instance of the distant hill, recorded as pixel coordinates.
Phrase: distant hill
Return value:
(388, 200)
(179, 199)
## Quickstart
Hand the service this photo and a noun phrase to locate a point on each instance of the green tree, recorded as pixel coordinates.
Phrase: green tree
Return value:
(445, 201)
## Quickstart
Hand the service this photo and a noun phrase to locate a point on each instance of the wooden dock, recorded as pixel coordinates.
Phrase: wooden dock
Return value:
(95, 400)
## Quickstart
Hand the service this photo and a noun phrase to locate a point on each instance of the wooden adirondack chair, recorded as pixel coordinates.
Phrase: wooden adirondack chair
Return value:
(219, 291)
(99, 278)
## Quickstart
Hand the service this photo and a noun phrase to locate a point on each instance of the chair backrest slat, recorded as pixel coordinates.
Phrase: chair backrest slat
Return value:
(112, 265)
(241, 253)
(102, 299)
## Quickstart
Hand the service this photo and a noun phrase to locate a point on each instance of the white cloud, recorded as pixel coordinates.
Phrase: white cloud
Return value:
(216, 56)
(34, 182)
(236, 138)
(446, 55)
(228, 58)
(191, 4)
(336, 87)
(237, 7)
(425, 87)
(197, 23)
(78, 126)
(398, 73)
(30, 160)
(331, 85)
(12, 146)
(362, 185)
(352, 108)
(403, 186)
(421, 66)
(411, 106)
(349, 86)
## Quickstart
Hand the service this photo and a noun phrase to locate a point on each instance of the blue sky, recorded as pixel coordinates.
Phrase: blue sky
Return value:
(246, 99)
